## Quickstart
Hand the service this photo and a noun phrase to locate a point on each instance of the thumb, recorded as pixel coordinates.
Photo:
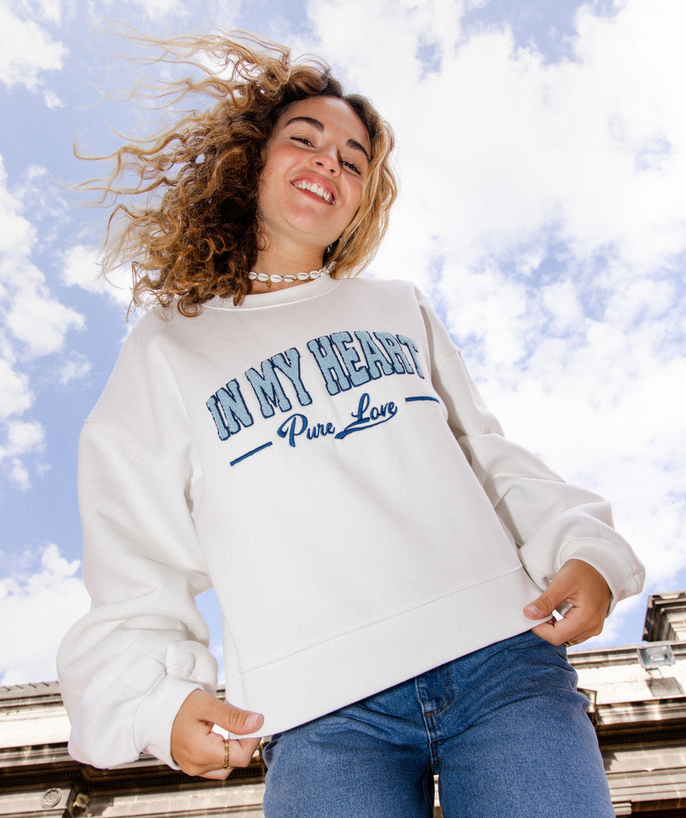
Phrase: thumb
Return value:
(239, 722)
(545, 604)
(236, 721)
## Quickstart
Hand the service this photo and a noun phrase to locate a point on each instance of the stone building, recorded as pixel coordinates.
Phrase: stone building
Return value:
(638, 707)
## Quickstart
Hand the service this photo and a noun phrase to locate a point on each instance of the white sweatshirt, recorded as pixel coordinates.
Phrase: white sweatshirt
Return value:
(321, 457)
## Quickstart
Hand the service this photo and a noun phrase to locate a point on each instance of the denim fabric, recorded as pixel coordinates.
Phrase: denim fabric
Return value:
(504, 729)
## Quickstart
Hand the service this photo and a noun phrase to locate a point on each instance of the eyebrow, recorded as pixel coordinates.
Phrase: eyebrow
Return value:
(315, 123)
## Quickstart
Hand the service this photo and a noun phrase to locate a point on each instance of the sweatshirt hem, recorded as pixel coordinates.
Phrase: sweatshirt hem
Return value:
(417, 640)
(372, 624)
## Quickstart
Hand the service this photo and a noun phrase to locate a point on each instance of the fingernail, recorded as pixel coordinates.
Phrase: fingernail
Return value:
(534, 611)
(252, 721)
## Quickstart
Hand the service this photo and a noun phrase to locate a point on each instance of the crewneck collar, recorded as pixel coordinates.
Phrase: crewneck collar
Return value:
(277, 298)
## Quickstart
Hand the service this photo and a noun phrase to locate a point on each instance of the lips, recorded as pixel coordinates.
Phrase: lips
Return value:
(319, 190)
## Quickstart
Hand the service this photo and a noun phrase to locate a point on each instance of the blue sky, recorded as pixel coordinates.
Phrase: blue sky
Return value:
(542, 156)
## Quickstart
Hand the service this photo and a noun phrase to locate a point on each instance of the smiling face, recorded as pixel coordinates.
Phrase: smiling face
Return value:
(311, 184)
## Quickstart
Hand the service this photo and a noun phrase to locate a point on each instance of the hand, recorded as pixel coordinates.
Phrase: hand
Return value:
(197, 749)
(581, 586)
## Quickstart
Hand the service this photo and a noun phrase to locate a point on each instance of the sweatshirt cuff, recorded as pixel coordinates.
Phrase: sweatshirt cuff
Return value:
(156, 715)
(622, 571)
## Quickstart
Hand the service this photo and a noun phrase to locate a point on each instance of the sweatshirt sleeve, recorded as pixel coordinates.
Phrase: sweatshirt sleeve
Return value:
(551, 521)
(126, 668)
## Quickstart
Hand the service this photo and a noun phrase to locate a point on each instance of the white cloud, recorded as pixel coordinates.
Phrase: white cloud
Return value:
(544, 205)
(83, 268)
(36, 610)
(15, 395)
(52, 100)
(26, 48)
(18, 474)
(33, 322)
(497, 144)
(31, 315)
(41, 322)
(75, 368)
(51, 10)
(159, 9)
(17, 233)
(22, 438)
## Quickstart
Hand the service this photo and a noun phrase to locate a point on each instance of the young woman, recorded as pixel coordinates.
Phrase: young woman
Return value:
(311, 445)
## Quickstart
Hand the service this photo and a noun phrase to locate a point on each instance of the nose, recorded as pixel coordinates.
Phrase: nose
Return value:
(328, 161)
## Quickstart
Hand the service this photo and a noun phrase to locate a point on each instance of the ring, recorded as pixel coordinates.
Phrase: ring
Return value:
(568, 643)
(226, 755)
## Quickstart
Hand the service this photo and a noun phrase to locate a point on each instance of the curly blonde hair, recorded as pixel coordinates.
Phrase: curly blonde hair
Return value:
(194, 233)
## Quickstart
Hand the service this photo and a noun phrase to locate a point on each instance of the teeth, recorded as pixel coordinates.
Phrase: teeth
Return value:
(322, 192)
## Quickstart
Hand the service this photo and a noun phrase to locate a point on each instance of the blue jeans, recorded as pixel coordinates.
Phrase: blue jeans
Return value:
(503, 728)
